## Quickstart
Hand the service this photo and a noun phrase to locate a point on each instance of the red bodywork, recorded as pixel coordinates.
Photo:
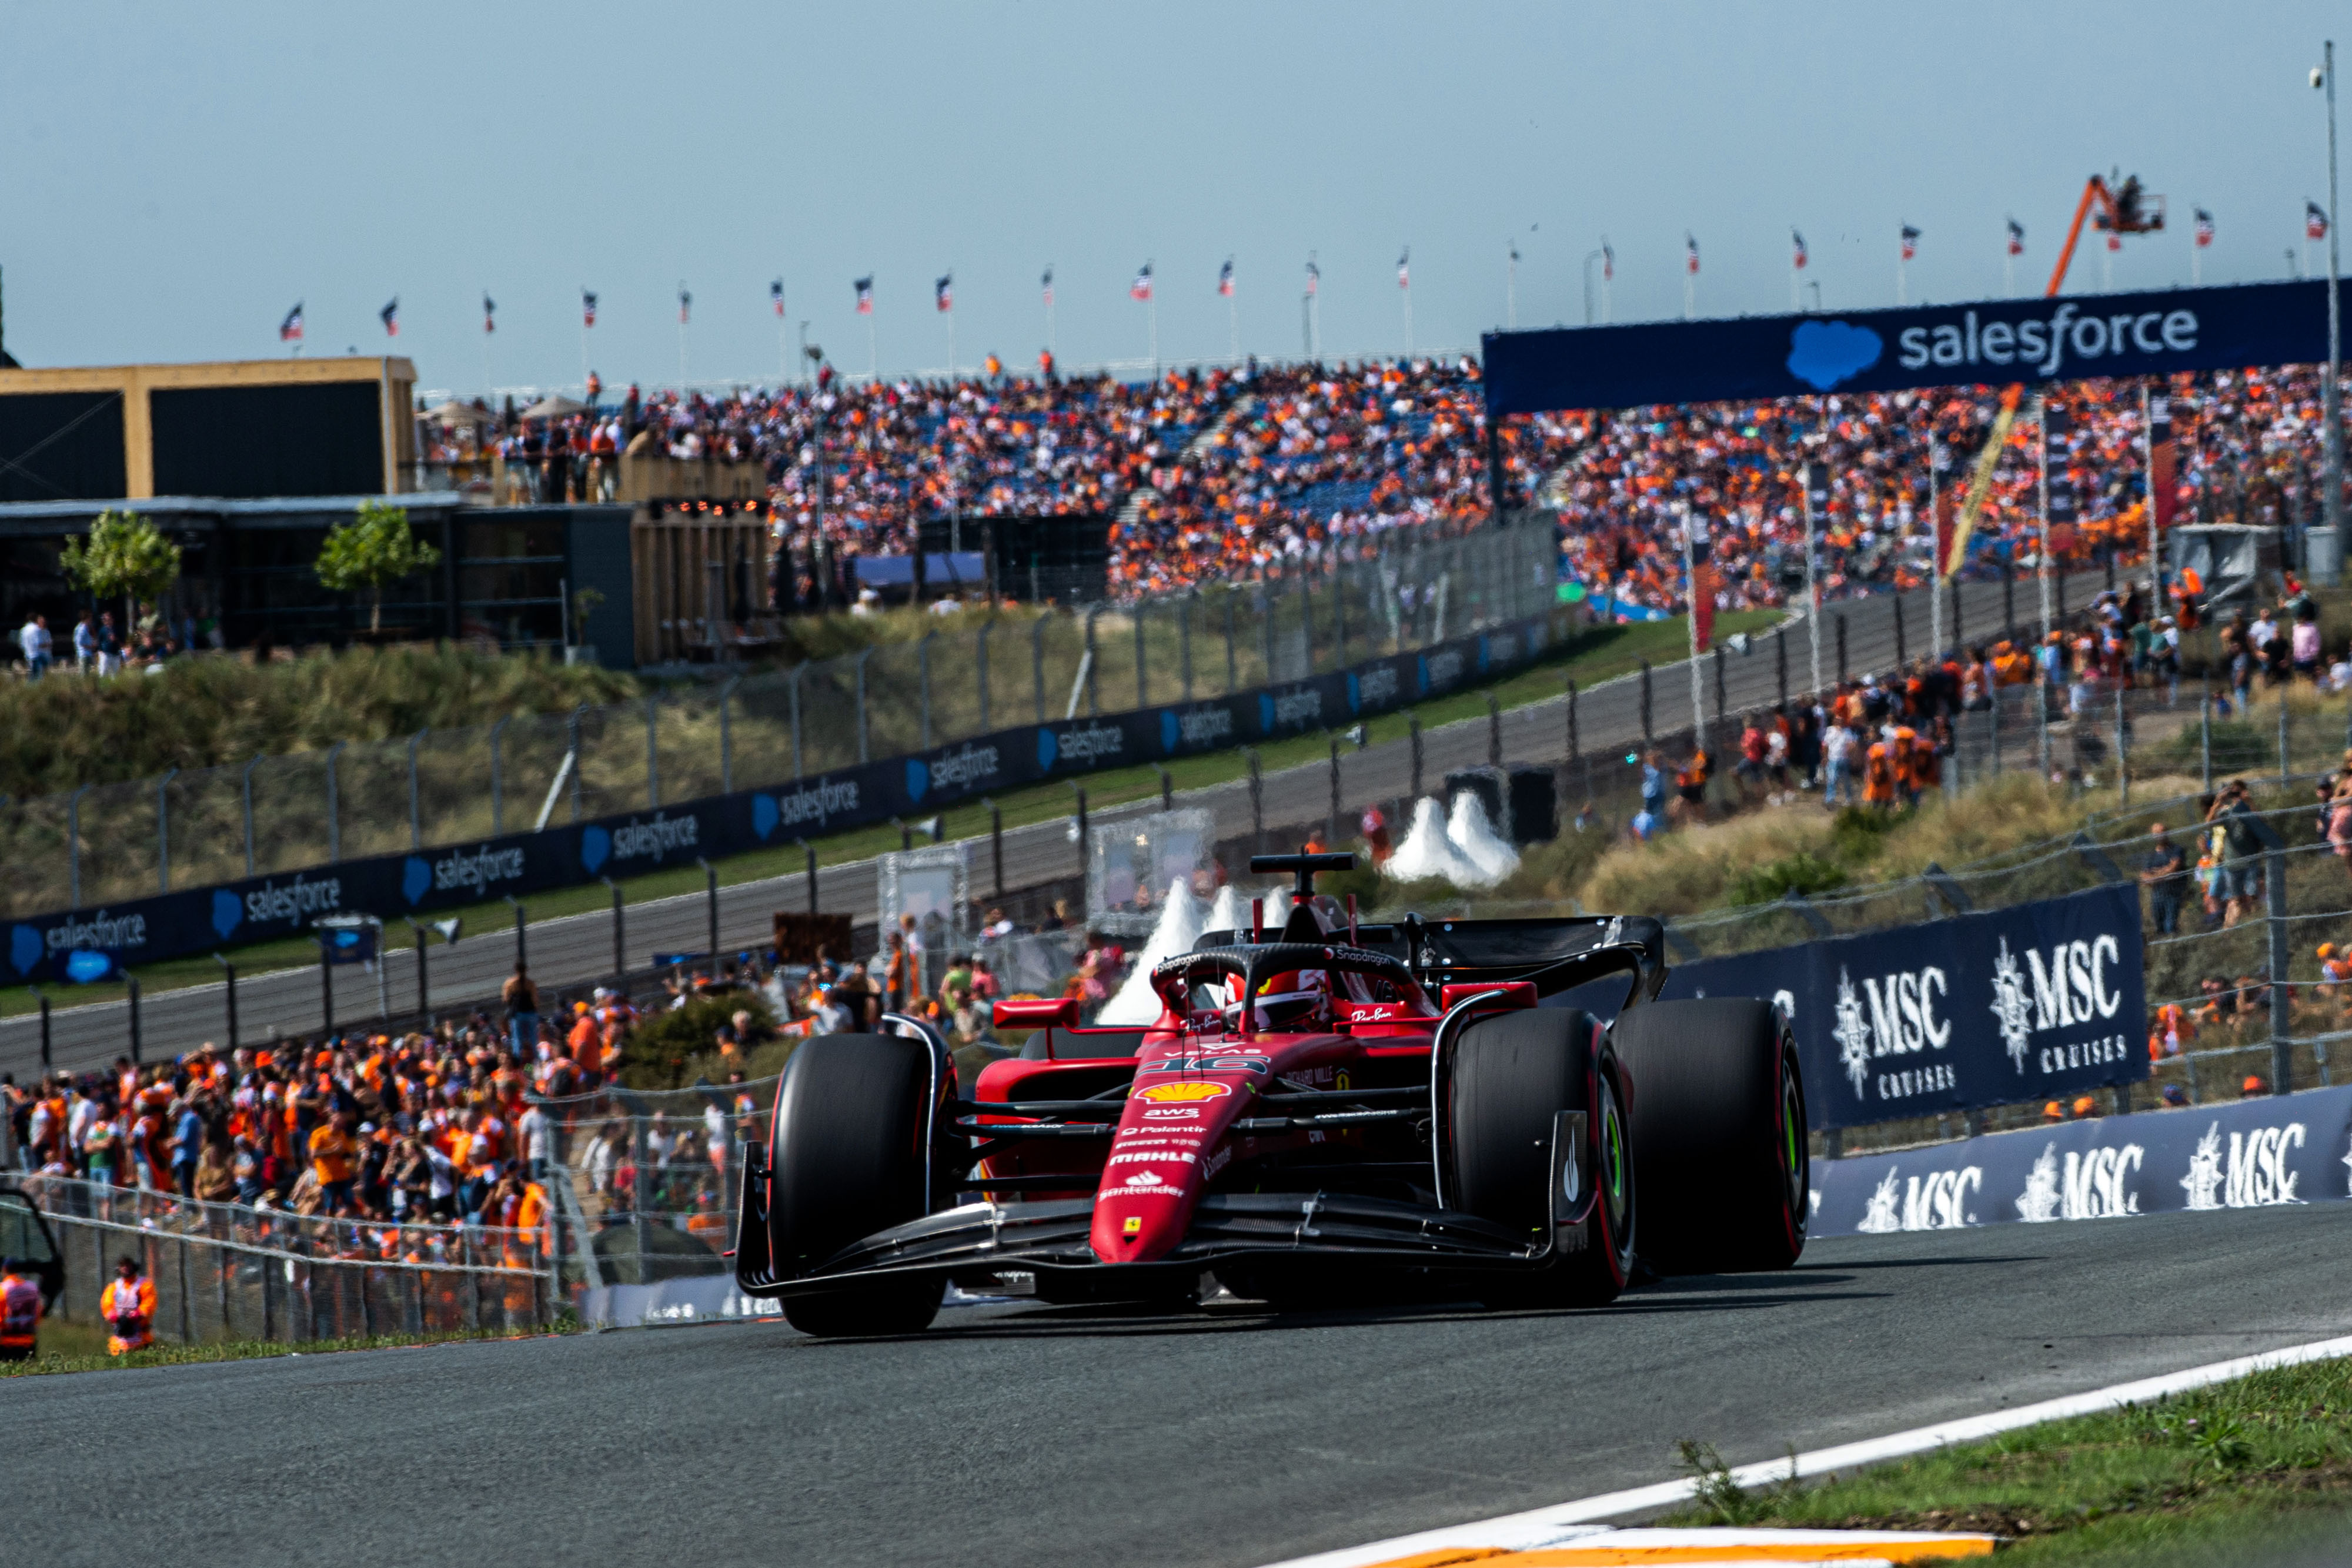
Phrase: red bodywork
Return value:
(1196, 1079)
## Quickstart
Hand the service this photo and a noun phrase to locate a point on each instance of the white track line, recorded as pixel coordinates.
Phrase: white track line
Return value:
(1560, 1522)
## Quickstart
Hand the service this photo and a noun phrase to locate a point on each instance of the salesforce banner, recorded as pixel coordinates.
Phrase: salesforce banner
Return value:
(2040, 1001)
(201, 920)
(2252, 1153)
(1991, 343)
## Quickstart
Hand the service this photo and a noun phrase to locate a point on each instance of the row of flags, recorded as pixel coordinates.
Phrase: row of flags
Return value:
(289, 330)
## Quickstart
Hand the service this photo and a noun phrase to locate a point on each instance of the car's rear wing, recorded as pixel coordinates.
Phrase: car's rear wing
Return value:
(1554, 954)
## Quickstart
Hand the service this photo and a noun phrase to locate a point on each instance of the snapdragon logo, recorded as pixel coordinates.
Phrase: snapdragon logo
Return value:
(2041, 345)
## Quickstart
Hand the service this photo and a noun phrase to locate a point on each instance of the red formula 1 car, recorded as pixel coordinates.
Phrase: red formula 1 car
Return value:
(1320, 1113)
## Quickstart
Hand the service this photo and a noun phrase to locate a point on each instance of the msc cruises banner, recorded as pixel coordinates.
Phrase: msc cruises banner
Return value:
(2268, 1153)
(2039, 1001)
(204, 919)
(1989, 342)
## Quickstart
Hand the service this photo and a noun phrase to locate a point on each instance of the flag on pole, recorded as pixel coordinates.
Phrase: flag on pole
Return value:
(1608, 262)
(2315, 222)
(776, 297)
(1141, 288)
(390, 317)
(489, 314)
(2016, 237)
(865, 286)
(291, 329)
(2163, 483)
(1690, 244)
(1940, 459)
(1314, 278)
(2204, 228)
(1910, 242)
(1404, 268)
(943, 293)
(685, 304)
(1225, 278)
(1706, 581)
(1800, 257)
(1046, 283)
(587, 308)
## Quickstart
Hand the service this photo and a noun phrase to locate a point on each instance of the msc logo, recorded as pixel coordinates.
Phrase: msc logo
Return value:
(1899, 1018)
(1937, 1201)
(2257, 1175)
(2095, 1185)
(2072, 988)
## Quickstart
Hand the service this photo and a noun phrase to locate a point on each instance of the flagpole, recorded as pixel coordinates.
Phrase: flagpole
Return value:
(2147, 458)
(1511, 292)
(1233, 326)
(1936, 547)
(2041, 562)
(2332, 453)
(1690, 590)
(1813, 585)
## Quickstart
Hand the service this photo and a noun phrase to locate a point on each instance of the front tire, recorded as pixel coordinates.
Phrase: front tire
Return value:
(1719, 1132)
(848, 1155)
(1511, 1073)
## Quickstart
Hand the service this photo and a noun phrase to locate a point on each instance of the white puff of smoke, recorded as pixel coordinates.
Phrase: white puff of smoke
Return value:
(1429, 853)
(1475, 836)
(1179, 926)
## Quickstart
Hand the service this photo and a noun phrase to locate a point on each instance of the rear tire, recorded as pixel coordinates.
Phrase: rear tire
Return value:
(1721, 1157)
(1511, 1073)
(848, 1156)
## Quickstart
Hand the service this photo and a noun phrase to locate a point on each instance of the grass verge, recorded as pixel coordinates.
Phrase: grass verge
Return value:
(1592, 654)
(2194, 1478)
(80, 1347)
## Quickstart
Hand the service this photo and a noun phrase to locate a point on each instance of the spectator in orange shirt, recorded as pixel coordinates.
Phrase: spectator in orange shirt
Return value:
(335, 1159)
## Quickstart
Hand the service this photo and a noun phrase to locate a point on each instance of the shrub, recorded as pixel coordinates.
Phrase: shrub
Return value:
(668, 1050)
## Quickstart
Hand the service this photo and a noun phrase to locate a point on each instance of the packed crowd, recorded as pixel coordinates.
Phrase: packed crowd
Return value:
(2247, 442)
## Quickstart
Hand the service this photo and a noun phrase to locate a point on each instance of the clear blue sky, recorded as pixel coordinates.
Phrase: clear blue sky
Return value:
(173, 178)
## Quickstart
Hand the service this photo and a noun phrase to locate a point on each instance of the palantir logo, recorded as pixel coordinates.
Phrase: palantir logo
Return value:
(1823, 354)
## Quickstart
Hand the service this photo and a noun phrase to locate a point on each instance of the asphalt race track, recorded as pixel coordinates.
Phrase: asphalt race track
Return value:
(1052, 1436)
(579, 949)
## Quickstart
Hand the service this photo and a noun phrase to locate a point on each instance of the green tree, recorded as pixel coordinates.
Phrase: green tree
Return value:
(373, 548)
(124, 555)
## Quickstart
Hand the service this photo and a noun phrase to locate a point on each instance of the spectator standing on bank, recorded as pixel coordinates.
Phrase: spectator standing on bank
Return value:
(85, 642)
(520, 997)
(2165, 874)
(35, 639)
(109, 645)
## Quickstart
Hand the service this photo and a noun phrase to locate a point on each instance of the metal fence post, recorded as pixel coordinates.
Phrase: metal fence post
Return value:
(163, 827)
(1331, 826)
(619, 933)
(1841, 646)
(980, 670)
(73, 840)
(1648, 733)
(2042, 725)
(2281, 1039)
(523, 920)
(249, 766)
(229, 978)
(923, 677)
(1574, 750)
(865, 736)
(2123, 763)
(1233, 668)
(996, 841)
(1257, 800)
(135, 1041)
(710, 884)
(2282, 737)
(498, 778)
(653, 751)
(727, 735)
(798, 671)
(1083, 846)
(1781, 659)
(1184, 641)
(45, 1026)
(1092, 665)
(415, 815)
(1494, 730)
(334, 805)
(2205, 733)
(1037, 663)
(579, 755)
(326, 984)
(808, 875)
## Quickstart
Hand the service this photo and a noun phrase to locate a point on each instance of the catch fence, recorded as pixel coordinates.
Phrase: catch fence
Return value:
(295, 816)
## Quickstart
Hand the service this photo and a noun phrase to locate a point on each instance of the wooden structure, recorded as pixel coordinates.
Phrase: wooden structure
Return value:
(700, 575)
(245, 429)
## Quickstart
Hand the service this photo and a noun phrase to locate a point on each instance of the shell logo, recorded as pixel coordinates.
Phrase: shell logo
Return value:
(1183, 1093)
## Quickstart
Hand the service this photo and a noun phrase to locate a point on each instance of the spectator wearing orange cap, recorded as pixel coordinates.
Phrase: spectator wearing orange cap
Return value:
(2253, 1087)
(2085, 1107)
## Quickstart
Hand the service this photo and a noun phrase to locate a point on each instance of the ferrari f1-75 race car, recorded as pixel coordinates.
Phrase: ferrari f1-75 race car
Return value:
(1323, 1112)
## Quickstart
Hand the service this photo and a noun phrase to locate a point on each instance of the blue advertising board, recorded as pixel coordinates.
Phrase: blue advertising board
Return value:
(92, 944)
(2271, 1151)
(1987, 342)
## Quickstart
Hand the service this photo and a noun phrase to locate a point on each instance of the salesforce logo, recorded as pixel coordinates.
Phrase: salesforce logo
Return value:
(26, 949)
(1823, 354)
(415, 879)
(763, 815)
(596, 848)
(228, 912)
(918, 778)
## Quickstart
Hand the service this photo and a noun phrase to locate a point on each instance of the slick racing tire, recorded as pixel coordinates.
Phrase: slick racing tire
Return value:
(848, 1156)
(1720, 1156)
(1511, 1072)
